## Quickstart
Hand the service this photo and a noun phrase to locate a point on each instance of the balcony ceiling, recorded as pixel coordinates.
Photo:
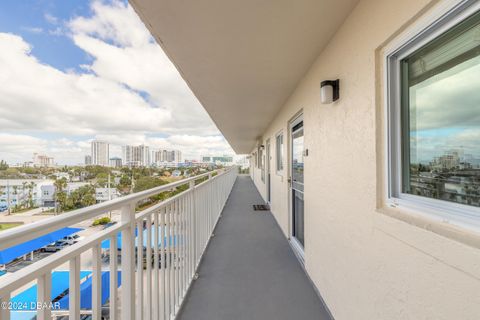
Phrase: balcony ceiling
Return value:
(243, 59)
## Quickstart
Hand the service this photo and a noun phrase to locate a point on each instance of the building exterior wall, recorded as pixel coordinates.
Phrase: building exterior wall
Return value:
(365, 263)
(100, 153)
(160, 156)
(136, 156)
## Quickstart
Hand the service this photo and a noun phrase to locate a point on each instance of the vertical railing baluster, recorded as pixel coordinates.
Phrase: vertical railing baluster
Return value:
(171, 244)
(96, 283)
(210, 208)
(156, 291)
(180, 250)
(74, 289)
(148, 270)
(44, 296)
(174, 258)
(205, 217)
(113, 266)
(177, 252)
(184, 244)
(168, 245)
(139, 281)
(128, 263)
(192, 232)
(193, 236)
(163, 298)
(188, 222)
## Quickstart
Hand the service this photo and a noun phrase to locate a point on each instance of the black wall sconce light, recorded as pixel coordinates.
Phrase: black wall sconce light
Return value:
(329, 91)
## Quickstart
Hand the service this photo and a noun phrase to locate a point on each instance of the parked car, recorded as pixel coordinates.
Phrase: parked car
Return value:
(56, 246)
(74, 238)
(3, 207)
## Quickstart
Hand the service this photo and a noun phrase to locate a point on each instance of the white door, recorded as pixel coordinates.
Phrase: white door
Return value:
(296, 183)
(268, 181)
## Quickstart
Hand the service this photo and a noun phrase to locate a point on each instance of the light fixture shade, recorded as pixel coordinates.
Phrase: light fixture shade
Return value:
(329, 91)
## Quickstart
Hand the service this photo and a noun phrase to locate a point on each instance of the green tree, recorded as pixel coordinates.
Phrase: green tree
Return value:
(3, 165)
(125, 183)
(145, 183)
(80, 198)
(60, 193)
(30, 187)
(102, 179)
(87, 195)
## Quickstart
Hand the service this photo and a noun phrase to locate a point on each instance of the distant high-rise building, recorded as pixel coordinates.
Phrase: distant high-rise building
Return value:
(88, 160)
(167, 156)
(136, 156)
(115, 162)
(42, 160)
(100, 153)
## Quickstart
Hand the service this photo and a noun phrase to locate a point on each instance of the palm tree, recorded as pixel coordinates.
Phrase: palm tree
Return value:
(31, 186)
(24, 186)
(60, 194)
(15, 193)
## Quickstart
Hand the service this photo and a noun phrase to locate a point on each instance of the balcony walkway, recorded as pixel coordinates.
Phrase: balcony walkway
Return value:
(249, 270)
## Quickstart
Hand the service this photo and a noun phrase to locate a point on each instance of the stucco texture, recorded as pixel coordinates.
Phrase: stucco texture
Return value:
(365, 264)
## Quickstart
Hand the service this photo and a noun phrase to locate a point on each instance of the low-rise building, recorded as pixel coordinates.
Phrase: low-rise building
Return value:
(42, 160)
(105, 194)
(88, 160)
(116, 162)
(48, 195)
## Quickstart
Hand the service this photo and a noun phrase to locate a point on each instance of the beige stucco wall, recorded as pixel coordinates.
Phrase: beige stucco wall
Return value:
(366, 264)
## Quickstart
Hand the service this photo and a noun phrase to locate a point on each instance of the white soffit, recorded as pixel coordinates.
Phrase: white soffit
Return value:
(243, 59)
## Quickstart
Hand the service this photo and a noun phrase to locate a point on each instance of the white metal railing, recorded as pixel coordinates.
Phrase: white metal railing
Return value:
(154, 281)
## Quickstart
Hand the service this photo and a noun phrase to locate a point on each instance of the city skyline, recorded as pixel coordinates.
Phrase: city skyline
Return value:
(103, 78)
(40, 159)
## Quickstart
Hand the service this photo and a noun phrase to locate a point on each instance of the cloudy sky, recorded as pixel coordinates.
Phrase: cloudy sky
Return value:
(73, 71)
(445, 113)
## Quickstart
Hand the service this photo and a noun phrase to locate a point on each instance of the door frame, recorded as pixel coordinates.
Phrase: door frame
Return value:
(268, 175)
(296, 245)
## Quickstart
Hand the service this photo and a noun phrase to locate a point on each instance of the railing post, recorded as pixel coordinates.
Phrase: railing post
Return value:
(140, 269)
(74, 290)
(44, 286)
(128, 263)
(113, 278)
(194, 224)
(96, 283)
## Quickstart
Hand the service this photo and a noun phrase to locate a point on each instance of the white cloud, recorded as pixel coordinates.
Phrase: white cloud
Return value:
(17, 148)
(448, 99)
(130, 93)
(39, 97)
(144, 65)
(35, 30)
(50, 18)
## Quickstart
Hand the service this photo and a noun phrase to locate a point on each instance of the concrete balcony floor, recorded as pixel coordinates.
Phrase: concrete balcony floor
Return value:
(249, 270)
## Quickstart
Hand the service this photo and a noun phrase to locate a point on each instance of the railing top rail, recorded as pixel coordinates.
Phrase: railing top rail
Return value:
(34, 230)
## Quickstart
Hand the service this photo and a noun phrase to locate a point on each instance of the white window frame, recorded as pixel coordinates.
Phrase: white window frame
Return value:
(441, 19)
(281, 155)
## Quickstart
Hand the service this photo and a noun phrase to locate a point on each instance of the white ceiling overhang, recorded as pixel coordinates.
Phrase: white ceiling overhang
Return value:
(243, 59)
